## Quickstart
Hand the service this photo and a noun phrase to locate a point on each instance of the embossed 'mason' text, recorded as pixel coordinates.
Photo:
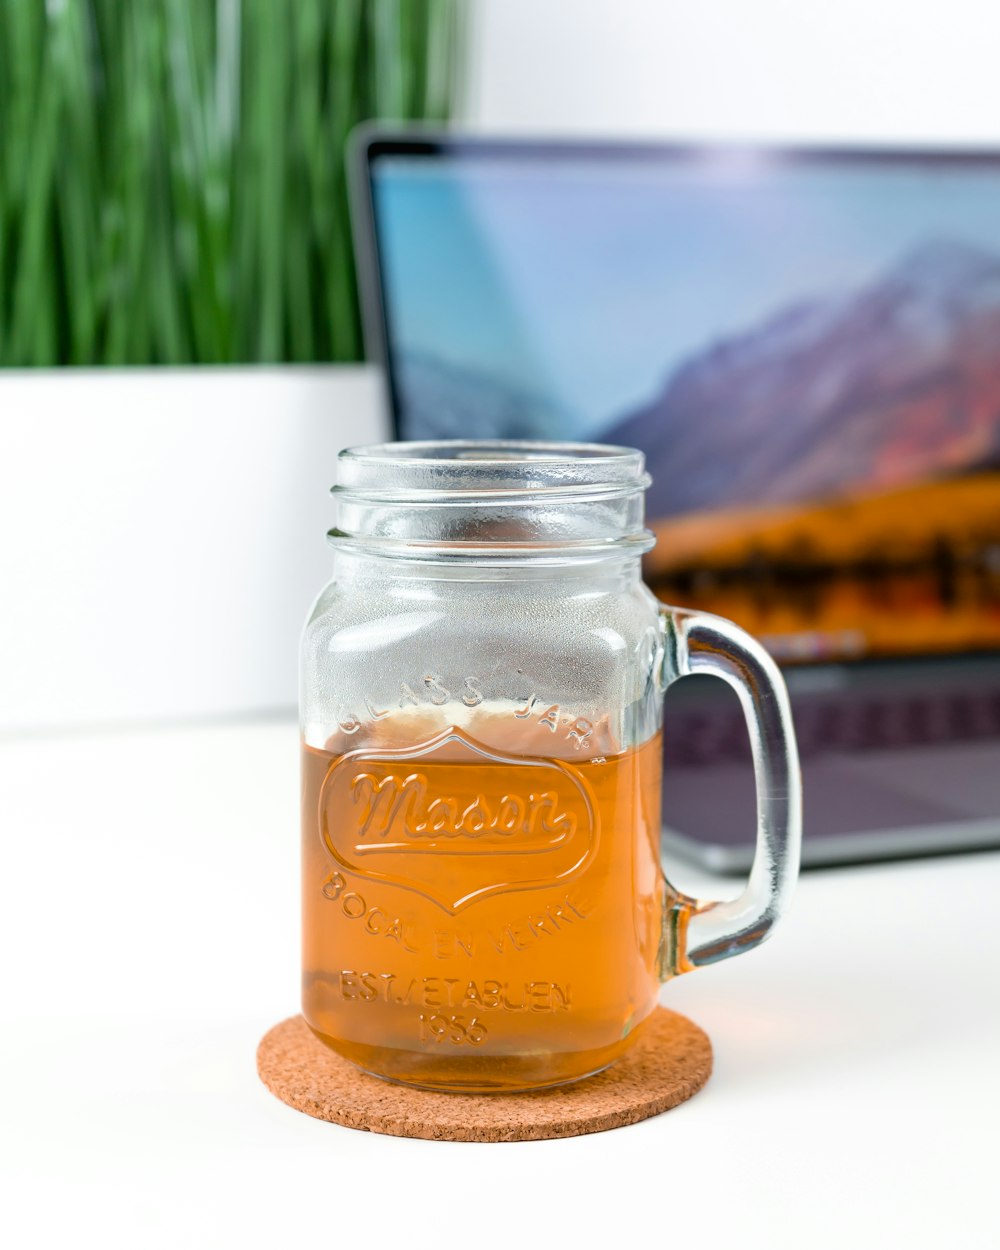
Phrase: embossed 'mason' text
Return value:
(400, 806)
(458, 821)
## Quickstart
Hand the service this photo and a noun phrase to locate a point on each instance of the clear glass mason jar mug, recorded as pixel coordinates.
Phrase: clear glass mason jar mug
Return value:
(481, 697)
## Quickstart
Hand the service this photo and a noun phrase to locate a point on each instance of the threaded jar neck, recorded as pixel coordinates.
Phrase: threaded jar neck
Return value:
(492, 502)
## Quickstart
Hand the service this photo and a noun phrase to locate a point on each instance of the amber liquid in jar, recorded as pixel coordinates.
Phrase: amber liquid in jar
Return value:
(477, 921)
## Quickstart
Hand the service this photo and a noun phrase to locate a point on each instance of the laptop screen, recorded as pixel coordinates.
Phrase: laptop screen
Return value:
(806, 347)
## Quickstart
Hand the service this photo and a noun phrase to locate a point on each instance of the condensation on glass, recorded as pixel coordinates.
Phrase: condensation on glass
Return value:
(481, 695)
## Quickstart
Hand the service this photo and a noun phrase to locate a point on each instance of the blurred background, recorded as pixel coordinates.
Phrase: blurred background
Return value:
(179, 332)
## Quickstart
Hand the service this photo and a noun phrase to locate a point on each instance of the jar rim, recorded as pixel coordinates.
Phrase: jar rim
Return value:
(488, 451)
(473, 466)
(490, 501)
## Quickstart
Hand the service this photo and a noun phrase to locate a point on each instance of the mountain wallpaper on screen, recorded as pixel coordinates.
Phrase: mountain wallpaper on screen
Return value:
(849, 395)
(444, 400)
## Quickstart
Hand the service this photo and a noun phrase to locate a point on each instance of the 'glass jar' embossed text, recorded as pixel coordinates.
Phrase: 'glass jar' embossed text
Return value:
(481, 699)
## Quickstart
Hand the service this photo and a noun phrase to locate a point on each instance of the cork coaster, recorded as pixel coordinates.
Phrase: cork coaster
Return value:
(670, 1061)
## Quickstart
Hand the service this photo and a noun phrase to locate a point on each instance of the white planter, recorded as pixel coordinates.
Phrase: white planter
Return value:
(162, 533)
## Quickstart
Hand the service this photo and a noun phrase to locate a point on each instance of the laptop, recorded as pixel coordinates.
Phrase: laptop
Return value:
(805, 343)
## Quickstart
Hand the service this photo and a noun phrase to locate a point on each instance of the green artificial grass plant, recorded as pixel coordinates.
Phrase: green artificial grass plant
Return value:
(171, 171)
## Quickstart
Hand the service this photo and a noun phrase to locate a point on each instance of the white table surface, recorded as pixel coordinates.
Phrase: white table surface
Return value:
(149, 926)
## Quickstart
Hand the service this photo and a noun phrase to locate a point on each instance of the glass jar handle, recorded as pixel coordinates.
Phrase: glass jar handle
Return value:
(701, 931)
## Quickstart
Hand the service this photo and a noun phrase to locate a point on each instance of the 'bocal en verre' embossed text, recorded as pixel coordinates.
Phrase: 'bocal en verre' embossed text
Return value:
(457, 821)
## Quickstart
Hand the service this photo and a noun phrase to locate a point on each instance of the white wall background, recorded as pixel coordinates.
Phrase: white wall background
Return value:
(861, 70)
(162, 535)
(160, 543)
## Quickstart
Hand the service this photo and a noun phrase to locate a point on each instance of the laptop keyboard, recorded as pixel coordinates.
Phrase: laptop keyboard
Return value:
(697, 737)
